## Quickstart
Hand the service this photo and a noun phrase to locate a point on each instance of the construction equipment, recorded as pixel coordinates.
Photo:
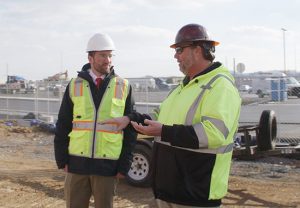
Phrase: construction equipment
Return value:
(58, 76)
(16, 84)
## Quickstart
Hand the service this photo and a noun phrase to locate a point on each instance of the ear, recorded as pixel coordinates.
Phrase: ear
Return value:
(198, 51)
(90, 58)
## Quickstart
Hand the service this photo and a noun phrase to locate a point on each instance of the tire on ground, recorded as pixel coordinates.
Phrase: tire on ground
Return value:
(267, 131)
(140, 172)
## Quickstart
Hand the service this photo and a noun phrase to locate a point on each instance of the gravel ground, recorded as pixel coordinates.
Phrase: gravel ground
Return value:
(29, 178)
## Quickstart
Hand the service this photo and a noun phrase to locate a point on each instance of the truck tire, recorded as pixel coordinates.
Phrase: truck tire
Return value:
(267, 131)
(140, 172)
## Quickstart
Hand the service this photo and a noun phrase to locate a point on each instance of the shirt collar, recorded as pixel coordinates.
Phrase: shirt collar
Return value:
(94, 76)
(213, 66)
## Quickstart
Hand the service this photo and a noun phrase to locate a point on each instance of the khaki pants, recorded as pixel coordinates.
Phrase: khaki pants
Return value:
(164, 204)
(80, 188)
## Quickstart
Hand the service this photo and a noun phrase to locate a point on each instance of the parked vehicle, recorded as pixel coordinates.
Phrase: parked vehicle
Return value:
(163, 85)
(16, 84)
(245, 88)
(142, 83)
(263, 83)
(140, 173)
(293, 87)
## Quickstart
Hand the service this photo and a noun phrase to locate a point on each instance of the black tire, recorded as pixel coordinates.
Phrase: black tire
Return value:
(267, 131)
(140, 172)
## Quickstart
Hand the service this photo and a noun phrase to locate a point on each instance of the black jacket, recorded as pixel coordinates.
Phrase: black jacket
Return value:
(83, 165)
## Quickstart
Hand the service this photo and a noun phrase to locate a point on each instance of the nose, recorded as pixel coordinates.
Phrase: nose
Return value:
(176, 55)
(107, 59)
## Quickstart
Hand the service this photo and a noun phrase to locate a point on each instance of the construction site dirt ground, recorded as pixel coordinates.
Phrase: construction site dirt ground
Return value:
(29, 177)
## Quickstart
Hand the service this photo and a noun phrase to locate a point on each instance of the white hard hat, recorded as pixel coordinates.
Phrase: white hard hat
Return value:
(100, 42)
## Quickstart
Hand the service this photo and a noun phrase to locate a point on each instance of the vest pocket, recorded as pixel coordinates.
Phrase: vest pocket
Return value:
(109, 145)
(79, 105)
(117, 107)
(80, 143)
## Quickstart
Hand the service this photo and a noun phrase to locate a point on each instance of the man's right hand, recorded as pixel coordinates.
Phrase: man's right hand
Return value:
(121, 122)
(66, 168)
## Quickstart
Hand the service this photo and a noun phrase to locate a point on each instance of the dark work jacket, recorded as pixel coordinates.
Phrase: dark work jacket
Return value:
(91, 166)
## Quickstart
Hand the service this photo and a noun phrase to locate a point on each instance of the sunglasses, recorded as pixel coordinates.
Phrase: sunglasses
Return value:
(180, 49)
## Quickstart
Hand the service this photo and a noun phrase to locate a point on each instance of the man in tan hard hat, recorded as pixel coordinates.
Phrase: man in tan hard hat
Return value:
(94, 155)
(195, 127)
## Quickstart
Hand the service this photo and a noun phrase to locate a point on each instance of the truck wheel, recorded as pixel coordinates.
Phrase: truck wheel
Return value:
(140, 171)
(267, 131)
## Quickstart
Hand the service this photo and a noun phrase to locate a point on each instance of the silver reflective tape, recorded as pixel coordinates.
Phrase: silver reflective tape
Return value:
(221, 150)
(201, 135)
(107, 127)
(192, 111)
(78, 87)
(120, 88)
(83, 125)
(219, 124)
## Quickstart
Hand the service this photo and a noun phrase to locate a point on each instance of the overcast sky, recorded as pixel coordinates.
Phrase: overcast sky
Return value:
(40, 38)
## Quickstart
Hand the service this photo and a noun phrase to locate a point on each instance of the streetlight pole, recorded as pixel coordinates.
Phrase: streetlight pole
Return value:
(284, 62)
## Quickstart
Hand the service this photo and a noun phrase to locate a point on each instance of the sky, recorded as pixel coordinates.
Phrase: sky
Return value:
(40, 38)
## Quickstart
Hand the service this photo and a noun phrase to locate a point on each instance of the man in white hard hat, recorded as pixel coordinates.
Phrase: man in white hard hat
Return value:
(94, 155)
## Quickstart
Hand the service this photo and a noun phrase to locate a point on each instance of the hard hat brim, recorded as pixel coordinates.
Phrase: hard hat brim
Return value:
(175, 45)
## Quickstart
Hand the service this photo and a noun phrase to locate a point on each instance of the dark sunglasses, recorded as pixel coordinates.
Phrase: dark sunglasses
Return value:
(180, 49)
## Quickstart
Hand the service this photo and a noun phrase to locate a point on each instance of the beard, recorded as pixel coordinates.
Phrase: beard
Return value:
(102, 69)
(183, 69)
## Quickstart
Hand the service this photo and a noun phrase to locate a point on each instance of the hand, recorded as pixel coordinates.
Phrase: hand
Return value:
(120, 176)
(121, 122)
(153, 128)
(66, 168)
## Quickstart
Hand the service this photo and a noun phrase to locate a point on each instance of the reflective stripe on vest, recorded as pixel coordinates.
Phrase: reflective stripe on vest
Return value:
(89, 125)
(199, 129)
(120, 88)
(78, 85)
(221, 150)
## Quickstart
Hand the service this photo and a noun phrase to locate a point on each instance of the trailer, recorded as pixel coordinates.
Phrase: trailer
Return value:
(251, 142)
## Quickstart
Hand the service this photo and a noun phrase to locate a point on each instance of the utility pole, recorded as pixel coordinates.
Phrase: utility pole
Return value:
(234, 67)
(284, 60)
(295, 58)
(7, 91)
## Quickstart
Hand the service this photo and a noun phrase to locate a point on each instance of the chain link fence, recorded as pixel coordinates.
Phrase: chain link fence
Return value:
(44, 101)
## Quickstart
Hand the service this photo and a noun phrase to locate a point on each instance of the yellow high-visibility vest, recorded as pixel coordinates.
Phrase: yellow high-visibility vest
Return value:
(89, 138)
(211, 104)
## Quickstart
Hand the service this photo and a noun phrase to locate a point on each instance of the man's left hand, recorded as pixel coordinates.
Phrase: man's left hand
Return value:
(120, 176)
(152, 128)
